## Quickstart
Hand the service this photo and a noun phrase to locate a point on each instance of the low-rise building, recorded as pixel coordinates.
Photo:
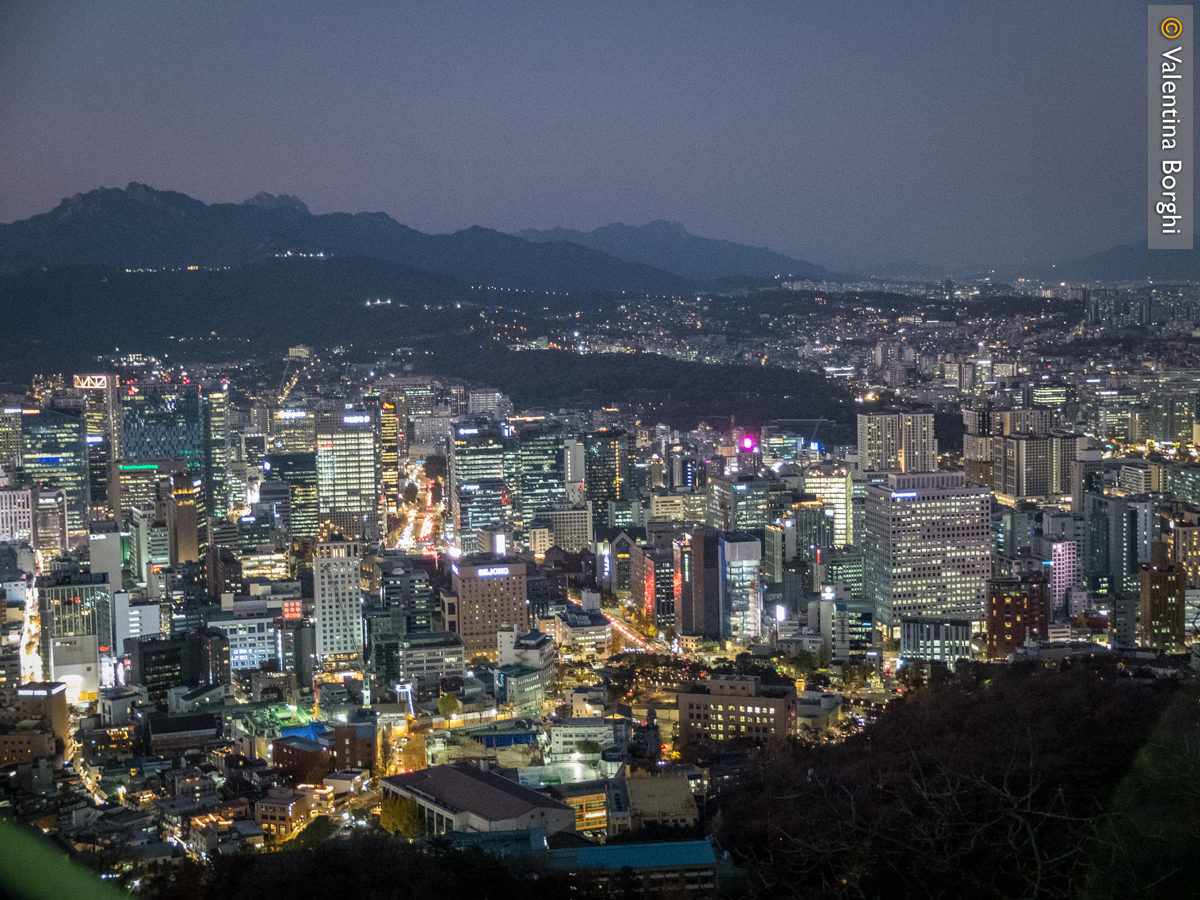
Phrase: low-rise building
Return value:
(462, 798)
(726, 707)
(281, 812)
(570, 738)
(425, 659)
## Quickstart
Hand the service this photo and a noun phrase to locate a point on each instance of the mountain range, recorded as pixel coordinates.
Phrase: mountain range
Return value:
(668, 246)
(139, 227)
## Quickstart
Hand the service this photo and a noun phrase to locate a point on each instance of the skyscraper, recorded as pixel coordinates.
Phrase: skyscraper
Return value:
(835, 489)
(299, 472)
(337, 601)
(606, 472)
(737, 503)
(389, 457)
(215, 411)
(293, 430)
(54, 455)
(897, 441)
(76, 626)
(541, 474)
(700, 611)
(479, 494)
(349, 494)
(489, 593)
(187, 519)
(927, 547)
(162, 421)
(103, 431)
(1162, 606)
(738, 558)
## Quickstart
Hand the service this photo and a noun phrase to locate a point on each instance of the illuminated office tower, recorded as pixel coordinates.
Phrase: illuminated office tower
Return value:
(337, 601)
(897, 441)
(54, 455)
(18, 509)
(149, 546)
(299, 472)
(76, 627)
(541, 482)
(10, 437)
(187, 520)
(103, 432)
(420, 399)
(652, 584)
(739, 556)
(349, 495)
(479, 495)
(927, 547)
(50, 525)
(606, 472)
(135, 486)
(215, 411)
(835, 489)
(293, 430)
(389, 456)
(737, 503)
(162, 421)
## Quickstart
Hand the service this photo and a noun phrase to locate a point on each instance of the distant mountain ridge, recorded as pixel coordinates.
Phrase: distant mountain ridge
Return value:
(670, 247)
(1132, 262)
(141, 227)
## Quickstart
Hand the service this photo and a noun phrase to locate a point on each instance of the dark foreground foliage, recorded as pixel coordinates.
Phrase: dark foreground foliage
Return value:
(372, 866)
(1029, 782)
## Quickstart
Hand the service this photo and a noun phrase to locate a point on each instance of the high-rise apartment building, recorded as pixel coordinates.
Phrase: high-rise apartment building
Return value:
(337, 601)
(927, 547)
(897, 441)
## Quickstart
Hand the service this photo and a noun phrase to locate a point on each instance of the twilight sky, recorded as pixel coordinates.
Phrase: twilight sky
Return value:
(961, 134)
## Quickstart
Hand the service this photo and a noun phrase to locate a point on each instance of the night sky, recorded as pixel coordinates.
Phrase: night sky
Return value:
(958, 134)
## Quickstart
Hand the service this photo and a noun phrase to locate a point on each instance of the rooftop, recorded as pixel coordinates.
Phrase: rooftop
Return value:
(635, 856)
(463, 788)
